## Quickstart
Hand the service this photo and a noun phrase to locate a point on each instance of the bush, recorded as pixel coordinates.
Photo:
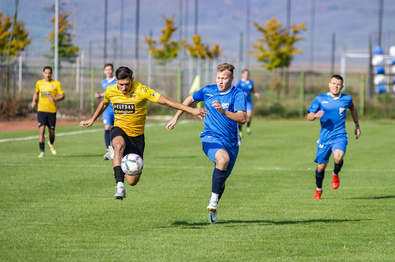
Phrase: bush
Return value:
(12, 108)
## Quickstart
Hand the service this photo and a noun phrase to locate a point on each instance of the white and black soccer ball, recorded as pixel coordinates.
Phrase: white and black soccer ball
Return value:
(132, 164)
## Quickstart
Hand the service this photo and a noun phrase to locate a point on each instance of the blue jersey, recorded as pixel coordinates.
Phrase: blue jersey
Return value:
(333, 122)
(246, 87)
(105, 83)
(216, 124)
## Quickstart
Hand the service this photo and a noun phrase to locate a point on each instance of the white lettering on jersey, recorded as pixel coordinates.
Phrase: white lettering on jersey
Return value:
(341, 110)
(225, 106)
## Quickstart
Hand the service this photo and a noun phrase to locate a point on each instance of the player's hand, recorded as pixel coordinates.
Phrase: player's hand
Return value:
(171, 124)
(319, 114)
(357, 132)
(200, 112)
(86, 123)
(33, 104)
(257, 95)
(97, 95)
(218, 106)
(51, 99)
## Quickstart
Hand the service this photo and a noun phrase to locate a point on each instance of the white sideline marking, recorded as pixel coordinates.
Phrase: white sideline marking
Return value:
(81, 132)
(201, 167)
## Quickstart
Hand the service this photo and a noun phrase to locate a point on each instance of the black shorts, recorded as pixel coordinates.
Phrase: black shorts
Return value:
(46, 119)
(134, 144)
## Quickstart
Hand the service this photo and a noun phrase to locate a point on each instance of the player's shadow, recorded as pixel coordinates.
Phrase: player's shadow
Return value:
(374, 197)
(186, 224)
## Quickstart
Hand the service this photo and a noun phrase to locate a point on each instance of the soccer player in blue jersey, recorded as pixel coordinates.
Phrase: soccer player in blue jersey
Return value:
(247, 86)
(331, 109)
(220, 138)
(108, 114)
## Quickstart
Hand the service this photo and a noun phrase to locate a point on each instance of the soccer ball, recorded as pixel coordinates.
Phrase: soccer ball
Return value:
(132, 164)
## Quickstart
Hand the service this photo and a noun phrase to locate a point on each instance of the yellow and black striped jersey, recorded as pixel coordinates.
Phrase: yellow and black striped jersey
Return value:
(130, 109)
(45, 90)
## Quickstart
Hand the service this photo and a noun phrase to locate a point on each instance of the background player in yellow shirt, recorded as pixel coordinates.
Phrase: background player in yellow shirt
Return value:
(47, 91)
(129, 99)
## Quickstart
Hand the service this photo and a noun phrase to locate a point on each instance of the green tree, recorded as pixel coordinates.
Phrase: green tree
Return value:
(66, 47)
(164, 49)
(19, 39)
(276, 48)
(199, 50)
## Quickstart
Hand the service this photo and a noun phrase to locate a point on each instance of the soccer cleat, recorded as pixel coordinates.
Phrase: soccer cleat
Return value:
(42, 154)
(212, 216)
(53, 150)
(106, 156)
(335, 181)
(109, 153)
(121, 193)
(212, 206)
(248, 130)
(317, 194)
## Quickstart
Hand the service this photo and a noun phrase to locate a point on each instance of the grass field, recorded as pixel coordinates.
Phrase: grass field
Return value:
(61, 208)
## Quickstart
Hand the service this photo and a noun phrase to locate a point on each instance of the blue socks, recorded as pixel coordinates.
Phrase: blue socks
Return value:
(338, 167)
(319, 177)
(107, 137)
(219, 177)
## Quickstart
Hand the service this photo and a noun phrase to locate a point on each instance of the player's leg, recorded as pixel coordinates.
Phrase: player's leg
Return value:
(322, 159)
(135, 145)
(51, 127)
(42, 122)
(108, 121)
(339, 150)
(119, 145)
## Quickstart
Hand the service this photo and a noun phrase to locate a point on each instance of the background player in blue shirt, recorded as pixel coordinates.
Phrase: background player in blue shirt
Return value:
(331, 108)
(247, 86)
(108, 114)
(220, 138)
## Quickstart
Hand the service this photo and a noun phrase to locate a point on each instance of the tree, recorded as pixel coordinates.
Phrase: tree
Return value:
(19, 39)
(276, 48)
(198, 50)
(66, 47)
(164, 49)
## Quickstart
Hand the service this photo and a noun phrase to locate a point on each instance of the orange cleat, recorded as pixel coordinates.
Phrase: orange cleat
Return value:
(317, 194)
(335, 181)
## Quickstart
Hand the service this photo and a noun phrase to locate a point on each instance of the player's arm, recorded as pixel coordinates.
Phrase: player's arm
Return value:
(354, 115)
(100, 109)
(311, 116)
(256, 94)
(198, 112)
(34, 101)
(98, 95)
(187, 102)
(55, 99)
(238, 116)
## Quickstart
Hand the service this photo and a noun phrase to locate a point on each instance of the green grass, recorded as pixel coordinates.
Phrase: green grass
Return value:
(61, 208)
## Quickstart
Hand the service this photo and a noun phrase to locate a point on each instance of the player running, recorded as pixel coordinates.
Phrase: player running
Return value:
(331, 109)
(226, 105)
(49, 92)
(129, 99)
(108, 114)
(247, 86)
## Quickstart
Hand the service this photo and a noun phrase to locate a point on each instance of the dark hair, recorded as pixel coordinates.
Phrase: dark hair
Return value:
(245, 70)
(109, 64)
(338, 77)
(225, 66)
(123, 72)
(47, 67)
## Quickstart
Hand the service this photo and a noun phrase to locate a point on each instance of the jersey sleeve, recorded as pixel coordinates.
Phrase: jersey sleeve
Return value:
(150, 94)
(106, 99)
(238, 84)
(240, 102)
(314, 107)
(59, 89)
(37, 87)
(198, 95)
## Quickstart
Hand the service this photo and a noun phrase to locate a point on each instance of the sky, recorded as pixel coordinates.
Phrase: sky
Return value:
(349, 22)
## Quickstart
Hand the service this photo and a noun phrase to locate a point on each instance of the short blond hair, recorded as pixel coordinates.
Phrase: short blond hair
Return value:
(225, 66)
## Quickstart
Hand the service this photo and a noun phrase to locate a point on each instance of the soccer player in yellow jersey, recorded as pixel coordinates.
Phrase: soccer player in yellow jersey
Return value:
(49, 92)
(129, 99)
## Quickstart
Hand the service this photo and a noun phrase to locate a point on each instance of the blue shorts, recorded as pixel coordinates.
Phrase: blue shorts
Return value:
(325, 151)
(249, 105)
(211, 145)
(108, 116)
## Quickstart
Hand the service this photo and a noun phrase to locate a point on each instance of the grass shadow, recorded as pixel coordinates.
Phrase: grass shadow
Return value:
(374, 197)
(263, 222)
